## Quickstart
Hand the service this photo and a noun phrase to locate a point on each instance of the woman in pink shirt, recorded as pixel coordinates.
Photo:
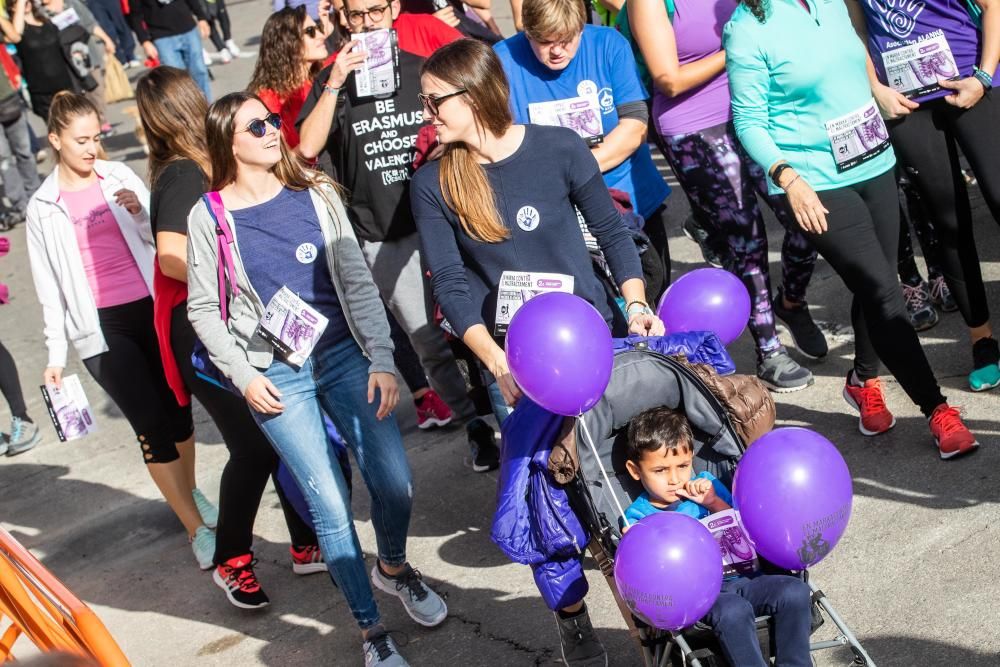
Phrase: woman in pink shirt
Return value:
(91, 252)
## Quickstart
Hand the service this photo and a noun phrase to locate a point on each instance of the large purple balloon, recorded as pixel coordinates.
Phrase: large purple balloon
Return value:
(706, 300)
(669, 570)
(793, 492)
(559, 352)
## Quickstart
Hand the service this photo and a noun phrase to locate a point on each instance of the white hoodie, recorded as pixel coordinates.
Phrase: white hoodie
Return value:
(68, 307)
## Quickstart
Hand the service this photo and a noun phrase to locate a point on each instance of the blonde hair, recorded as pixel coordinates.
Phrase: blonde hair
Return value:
(553, 19)
(65, 107)
(471, 65)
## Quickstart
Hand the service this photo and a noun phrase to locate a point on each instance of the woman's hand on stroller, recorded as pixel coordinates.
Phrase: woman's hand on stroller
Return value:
(645, 324)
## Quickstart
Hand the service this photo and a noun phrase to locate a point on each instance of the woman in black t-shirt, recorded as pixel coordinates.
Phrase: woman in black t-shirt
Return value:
(172, 109)
(42, 63)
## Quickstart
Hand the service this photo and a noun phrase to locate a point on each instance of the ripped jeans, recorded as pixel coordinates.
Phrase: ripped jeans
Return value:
(335, 379)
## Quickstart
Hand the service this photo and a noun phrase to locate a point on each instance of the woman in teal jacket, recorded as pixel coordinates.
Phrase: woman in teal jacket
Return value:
(804, 111)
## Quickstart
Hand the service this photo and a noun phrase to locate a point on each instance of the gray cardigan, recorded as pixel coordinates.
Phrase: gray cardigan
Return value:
(234, 346)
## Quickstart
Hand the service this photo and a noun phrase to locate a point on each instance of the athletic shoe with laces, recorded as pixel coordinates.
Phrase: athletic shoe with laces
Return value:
(940, 295)
(869, 400)
(209, 513)
(807, 336)
(782, 374)
(422, 604)
(578, 641)
(950, 434)
(381, 651)
(307, 560)
(482, 442)
(432, 411)
(225, 57)
(234, 50)
(23, 436)
(694, 231)
(985, 357)
(237, 578)
(918, 306)
(203, 546)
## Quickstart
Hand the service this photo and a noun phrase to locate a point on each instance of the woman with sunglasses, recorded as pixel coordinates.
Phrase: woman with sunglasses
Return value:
(292, 244)
(172, 109)
(91, 251)
(292, 49)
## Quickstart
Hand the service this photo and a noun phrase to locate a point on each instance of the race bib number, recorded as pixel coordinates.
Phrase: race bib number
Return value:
(69, 409)
(65, 19)
(580, 114)
(291, 326)
(518, 287)
(915, 69)
(379, 75)
(739, 558)
(857, 137)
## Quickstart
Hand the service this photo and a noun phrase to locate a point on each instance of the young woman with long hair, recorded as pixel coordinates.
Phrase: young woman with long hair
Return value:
(292, 49)
(803, 110)
(172, 109)
(290, 234)
(483, 210)
(91, 251)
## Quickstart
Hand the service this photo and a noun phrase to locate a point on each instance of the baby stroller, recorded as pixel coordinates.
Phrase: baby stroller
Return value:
(726, 413)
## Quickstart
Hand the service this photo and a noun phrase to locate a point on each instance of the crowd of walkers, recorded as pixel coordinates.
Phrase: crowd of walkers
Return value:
(380, 227)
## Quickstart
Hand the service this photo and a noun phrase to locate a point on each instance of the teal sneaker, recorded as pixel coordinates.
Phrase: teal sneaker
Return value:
(985, 355)
(209, 513)
(23, 436)
(203, 546)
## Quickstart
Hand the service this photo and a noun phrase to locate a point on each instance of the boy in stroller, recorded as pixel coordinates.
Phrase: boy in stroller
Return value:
(659, 455)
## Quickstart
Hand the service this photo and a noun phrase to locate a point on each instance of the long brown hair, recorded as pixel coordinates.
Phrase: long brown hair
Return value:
(471, 65)
(66, 106)
(219, 132)
(281, 65)
(172, 109)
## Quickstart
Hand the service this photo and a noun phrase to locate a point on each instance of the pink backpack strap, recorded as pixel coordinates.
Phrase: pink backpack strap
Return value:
(224, 243)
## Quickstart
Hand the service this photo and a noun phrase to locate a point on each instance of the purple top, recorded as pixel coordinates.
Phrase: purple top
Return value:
(942, 38)
(698, 31)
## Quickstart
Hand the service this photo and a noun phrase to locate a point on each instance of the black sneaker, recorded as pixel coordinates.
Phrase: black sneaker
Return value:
(807, 336)
(940, 295)
(782, 374)
(918, 306)
(579, 642)
(697, 233)
(237, 578)
(482, 442)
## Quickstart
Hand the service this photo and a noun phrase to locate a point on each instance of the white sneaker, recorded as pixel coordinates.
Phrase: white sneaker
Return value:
(225, 57)
(233, 49)
(207, 57)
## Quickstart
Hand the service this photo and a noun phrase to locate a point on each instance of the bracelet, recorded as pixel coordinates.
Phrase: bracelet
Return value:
(785, 187)
(330, 89)
(776, 174)
(632, 303)
(983, 78)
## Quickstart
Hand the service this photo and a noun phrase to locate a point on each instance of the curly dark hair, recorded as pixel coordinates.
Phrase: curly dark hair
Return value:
(758, 8)
(280, 64)
(656, 428)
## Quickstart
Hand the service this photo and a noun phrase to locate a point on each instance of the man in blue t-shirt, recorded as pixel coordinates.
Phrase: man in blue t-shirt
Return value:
(564, 72)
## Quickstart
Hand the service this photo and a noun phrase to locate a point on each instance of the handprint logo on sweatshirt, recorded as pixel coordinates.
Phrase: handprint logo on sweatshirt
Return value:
(899, 17)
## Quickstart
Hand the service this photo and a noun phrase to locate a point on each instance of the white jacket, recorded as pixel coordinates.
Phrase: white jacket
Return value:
(68, 306)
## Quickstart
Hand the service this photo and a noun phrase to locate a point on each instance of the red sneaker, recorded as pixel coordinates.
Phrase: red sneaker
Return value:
(307, 560)
(432, 411)
(950, 434)
(237, 578)
(870, 402)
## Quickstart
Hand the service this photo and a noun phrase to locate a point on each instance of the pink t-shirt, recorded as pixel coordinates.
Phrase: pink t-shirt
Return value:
(112, 273)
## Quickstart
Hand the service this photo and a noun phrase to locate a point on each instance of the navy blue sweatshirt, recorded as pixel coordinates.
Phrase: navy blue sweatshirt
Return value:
(536, 189)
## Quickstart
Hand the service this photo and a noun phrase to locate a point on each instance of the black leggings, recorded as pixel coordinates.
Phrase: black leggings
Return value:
(10, 385)
(656, 260)
(927, 143)
(216, 12)
(131, 372)
(861, 244)
(251, 458)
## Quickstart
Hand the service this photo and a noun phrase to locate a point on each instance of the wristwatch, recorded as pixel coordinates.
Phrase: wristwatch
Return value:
(778, 171)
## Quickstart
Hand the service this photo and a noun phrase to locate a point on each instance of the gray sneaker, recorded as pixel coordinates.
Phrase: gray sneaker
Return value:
(918, 306)
(579, 643)
(422, 604)
(781, 374)
(381, 651)
(23, 436)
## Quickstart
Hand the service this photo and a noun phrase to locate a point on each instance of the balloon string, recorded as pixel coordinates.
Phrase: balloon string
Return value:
(604, 473)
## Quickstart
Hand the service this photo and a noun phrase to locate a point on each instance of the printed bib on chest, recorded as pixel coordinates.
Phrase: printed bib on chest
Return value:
(581, 114)
(518, 287)
(291, 326)
(739, 558)
(857, 137)
(915, 69)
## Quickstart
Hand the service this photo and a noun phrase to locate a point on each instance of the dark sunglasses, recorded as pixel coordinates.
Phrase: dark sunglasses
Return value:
(258, 127)
(432, 104)
(312, 30)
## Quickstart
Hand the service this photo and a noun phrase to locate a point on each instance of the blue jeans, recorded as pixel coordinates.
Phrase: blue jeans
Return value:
(184, 52)
(18, 169)
(786, 598)
(335, 380)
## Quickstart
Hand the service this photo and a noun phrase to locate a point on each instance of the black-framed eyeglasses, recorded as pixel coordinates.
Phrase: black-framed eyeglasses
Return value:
(432, 103)
(258, 126)
(311, 31)
(357, 17)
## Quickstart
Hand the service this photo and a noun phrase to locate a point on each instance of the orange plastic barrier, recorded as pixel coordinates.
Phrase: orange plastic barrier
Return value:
(41, 608)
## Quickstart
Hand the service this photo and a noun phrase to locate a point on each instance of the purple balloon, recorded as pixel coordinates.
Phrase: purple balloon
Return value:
(668, 569)
(559, 352)
(793, 492)
(706, 300)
